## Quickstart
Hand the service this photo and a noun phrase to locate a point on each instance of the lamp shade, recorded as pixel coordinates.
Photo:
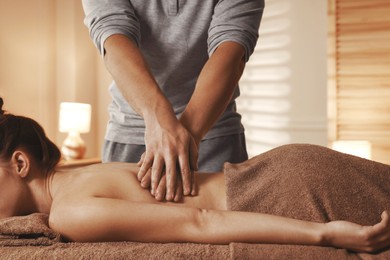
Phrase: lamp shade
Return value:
(74, 117)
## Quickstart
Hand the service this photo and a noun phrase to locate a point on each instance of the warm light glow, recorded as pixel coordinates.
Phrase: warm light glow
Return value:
(357, 148)
(75, 117)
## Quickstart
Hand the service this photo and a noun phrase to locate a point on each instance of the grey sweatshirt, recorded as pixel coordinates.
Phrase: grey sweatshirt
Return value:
(176, 38)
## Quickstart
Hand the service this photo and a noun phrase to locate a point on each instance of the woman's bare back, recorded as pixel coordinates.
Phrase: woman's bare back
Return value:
(119, 181)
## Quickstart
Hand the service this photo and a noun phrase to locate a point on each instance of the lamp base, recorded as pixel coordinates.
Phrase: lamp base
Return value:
(73, 147)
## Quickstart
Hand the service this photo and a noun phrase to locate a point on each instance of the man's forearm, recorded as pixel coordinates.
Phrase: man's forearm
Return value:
(167, 142)
(214, 89)
(129, 69)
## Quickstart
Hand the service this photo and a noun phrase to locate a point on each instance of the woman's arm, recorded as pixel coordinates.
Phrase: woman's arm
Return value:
(103, 219)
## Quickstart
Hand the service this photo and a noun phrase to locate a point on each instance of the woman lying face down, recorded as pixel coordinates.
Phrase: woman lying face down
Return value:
(105, 202)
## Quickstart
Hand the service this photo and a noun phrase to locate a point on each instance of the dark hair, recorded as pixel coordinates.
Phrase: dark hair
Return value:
(23, 132)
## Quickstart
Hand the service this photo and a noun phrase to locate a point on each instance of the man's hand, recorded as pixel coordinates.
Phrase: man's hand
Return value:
(168, 144)
(168, 150)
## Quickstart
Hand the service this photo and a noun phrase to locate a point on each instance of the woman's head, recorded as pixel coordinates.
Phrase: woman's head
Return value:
(18, 132)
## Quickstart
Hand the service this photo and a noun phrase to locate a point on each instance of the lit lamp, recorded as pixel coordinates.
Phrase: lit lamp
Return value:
(357, 148)
(75, 119)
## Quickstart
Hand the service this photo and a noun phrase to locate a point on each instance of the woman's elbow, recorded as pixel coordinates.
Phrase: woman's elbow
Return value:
(202, 228)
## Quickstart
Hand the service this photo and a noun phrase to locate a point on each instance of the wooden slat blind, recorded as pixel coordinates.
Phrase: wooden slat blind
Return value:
(359, 73)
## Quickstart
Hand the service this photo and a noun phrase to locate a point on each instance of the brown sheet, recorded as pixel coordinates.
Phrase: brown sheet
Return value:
(301, 181)
(313, 183)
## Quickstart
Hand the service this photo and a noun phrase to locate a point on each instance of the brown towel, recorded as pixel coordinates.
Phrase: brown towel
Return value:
(309, 182)
(31, 230)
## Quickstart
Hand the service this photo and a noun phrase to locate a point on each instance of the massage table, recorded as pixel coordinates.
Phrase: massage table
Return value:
(301, 181)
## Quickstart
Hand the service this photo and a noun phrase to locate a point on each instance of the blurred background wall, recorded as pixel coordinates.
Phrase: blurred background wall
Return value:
(47, 57)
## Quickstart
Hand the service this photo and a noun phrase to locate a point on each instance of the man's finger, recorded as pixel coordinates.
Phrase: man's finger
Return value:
(194, 188)
(171, 178)
(141, 160)
(161, 188)
(179, 190)
(145, 181)
(185, 173)
(146, 165)
(157, 169)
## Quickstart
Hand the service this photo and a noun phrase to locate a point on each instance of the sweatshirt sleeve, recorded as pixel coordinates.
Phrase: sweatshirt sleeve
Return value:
(236, 21)
(107, 17)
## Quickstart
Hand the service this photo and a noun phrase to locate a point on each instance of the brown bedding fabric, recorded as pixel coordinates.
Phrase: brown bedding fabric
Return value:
(313, 183)
(31, 230)
(300, 181)
(116, 250)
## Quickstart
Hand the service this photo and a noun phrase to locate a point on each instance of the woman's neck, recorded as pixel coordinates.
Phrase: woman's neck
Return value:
(40, 192)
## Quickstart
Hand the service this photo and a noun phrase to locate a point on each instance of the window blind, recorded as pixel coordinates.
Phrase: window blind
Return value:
(283, 87)
(264, 85)
(359, 73)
